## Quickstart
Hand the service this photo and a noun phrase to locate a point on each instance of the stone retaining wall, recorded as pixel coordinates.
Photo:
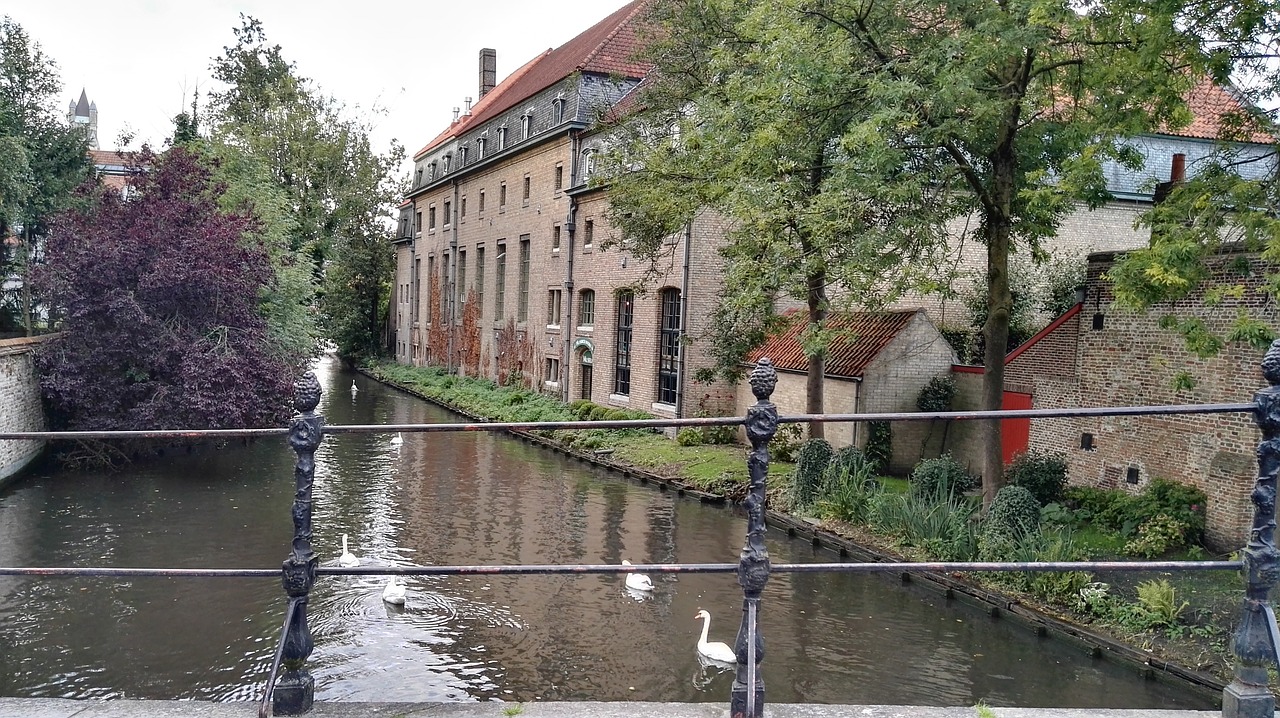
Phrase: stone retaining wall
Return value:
(20, 407)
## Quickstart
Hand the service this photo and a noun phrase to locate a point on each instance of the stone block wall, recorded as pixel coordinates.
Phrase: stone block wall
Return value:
(20, 406)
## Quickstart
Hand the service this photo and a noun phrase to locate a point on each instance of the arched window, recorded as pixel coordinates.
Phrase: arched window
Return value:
(669, 348)
(622, 348)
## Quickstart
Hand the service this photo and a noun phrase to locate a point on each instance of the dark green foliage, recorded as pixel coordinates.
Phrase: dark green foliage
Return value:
(944, 529)
(1041, 473)
(786, 443)
(850, 461)
(849, 488)
(937, 395)
(1124, 513)
(812, 460)
(879, 447)
(1015, 509)
(941, 477)
(690, 436)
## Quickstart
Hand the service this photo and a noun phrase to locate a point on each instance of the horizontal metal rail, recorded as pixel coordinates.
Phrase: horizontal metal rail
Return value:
(1167, 410)
(607, 568)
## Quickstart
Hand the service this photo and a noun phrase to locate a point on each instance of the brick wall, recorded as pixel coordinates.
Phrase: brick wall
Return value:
(20, 407)
(1130, 360)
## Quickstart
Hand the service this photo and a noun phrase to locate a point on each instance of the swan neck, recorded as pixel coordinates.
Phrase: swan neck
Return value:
(706, 626)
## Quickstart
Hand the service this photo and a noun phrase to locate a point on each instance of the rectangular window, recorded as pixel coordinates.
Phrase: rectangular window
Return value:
(462, 157)
(446, 290)
(461, 283)
(669, 347)
(551, 371)
(559, 182)
(527, 188)
(502, 138)
(553, 308)
(417, 222)
(557, 111)
(431, 217)
(430, 280)
(555, 238)
(417, 282)
(448, 213)
(522, 306)
(502, 195)
(480, 143)
(587, 309)
(462, 206)
(622, 349)
(481, 207)
(588, 233)
(479, 290)
(500, 282)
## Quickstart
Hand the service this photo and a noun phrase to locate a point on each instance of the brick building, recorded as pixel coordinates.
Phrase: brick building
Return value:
(1097, 355)
(877, 362)
(500, 272)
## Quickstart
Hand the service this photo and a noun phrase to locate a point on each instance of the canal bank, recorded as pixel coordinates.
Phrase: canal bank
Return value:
(62, 708)
(1032, 616)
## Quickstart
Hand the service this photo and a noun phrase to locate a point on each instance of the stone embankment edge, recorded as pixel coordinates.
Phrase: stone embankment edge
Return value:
(995, 604)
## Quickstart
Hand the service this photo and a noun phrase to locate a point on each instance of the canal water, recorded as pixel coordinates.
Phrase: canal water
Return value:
(472, 498)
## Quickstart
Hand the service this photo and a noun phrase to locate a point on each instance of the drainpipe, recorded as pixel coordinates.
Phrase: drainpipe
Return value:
(566, 348)
(684, 318)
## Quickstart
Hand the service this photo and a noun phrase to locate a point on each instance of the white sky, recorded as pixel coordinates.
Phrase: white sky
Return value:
(140, 60)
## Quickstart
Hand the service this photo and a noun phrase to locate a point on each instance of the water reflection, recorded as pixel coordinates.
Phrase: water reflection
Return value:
(471, 498)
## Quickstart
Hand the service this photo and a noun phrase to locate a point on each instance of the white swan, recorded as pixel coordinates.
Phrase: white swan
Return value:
(354, 388)
(716, 650)
(397, 440)
(347, 558)
(637, 581)
(394, 592)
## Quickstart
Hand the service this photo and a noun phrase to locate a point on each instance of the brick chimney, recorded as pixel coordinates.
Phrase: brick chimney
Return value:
(488, 70)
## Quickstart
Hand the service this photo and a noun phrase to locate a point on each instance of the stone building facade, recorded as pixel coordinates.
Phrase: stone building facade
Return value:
(501, 268)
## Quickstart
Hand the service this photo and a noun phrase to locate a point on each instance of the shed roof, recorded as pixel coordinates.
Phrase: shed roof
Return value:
(861, 337)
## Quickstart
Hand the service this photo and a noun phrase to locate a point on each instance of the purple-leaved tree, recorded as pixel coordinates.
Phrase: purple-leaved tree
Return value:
(159, 299)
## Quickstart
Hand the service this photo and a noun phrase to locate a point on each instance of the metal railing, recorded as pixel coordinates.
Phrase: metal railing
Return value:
(291, 692)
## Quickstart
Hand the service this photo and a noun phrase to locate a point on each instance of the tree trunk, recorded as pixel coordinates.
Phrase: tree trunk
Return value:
(817, 370)
(27, 309)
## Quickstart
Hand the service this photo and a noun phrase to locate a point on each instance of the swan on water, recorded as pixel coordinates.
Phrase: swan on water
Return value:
(637, 581)
(715, 650)
(354, 388)
(394, 592)
(347, 558)
(397, 440)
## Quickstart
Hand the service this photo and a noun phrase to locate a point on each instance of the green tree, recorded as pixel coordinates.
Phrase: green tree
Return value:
(1231, 195)
(1000, 112)
(42, 160)
(333, 190)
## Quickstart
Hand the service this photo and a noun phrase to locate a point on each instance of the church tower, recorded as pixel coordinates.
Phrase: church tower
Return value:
(84, 113)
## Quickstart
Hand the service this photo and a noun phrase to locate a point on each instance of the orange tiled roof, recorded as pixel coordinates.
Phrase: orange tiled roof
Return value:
(103, 158)
(1210, 103)
(608, 47)
(863, 335)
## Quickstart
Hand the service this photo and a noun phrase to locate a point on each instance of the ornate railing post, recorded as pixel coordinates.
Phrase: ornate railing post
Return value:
(747, 698)
(295, 691)
(1256, 640)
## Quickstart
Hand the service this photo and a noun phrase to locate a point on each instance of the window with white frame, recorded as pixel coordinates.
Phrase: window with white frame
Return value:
(553, 308)
(526, 126)
(586, 308)
(480, 143)
(551, 371)
(502, 138)
(557, 111)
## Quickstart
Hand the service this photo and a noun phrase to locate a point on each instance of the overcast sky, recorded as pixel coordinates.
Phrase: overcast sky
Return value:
(140, 60)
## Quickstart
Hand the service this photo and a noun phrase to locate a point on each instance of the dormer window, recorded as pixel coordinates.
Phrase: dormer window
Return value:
(557, 111)
(462, 157)
(526, 126)
(502, 138)
(418, 179)
(448, 160)
(433, 170)
(588, 163)
(480, 143)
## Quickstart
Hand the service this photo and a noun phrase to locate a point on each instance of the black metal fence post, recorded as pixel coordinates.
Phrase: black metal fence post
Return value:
(1256, 641)
(295, 692)
(747, 697)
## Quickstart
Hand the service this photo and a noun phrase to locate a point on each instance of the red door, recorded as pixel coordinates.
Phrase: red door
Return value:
(1015, 434)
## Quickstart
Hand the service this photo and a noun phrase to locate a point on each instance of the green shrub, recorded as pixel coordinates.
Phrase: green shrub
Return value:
(998, 544)
(1015, 509)
(581, 408)
(812, 460)
(849, 461)
(937, 395)
(848, 492)
(1159, 599)
(1183, 503)
(879, 447)
(1043, 474)
(786, 442)
(690, 436)
(1157, 536)
(941, 477)
(943, 529)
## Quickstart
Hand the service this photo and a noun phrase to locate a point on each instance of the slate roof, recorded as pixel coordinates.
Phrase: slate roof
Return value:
(608, 48)
(864, 335)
